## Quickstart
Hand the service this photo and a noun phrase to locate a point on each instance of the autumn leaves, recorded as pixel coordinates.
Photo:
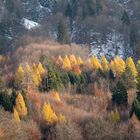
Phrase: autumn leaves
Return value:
(117, 65)
(20, 110)
(33, 75)
(29, 75)
(70, 63)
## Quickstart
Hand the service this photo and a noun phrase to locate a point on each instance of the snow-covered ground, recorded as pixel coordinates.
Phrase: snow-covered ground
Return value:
(29, 24)
(113, 46)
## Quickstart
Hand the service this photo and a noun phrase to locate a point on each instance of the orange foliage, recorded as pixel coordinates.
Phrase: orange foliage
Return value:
(76, 69)
(56, 96)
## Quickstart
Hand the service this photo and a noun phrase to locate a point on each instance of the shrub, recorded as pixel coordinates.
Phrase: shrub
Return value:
(62, 131)
(114, 117)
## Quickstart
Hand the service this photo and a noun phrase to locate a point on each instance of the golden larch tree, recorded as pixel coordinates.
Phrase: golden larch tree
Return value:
(19, 74)
(36, 76)
(41, 69)
(80, 61)
(66, 63)
(73, 60)
(138, 65)
(49, 115)
(20, 105)
(16, 115)
(104, 64)
(131, 67)
(95, 63)
(117, 66)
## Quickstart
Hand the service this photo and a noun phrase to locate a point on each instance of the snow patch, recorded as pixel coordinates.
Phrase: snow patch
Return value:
(29, 24)
(113, 46)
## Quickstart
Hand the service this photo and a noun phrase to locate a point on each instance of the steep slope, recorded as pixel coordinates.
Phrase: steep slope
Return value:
(96, 23)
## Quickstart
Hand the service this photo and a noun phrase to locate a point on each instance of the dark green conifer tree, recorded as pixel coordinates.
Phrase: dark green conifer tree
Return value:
(136, 104)
(62, 33)
(6, 101)
(119, 94)
(125, 18)
(98, 7)
(53, 77)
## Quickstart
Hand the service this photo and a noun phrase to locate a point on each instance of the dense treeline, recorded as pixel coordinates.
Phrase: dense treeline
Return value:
(32, 98)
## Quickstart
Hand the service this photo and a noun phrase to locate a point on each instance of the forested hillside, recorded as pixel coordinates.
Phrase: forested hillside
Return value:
(69, 70)
(56, 92)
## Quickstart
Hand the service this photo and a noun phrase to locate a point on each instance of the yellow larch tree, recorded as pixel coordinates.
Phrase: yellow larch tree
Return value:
(117, 66)
(138, 65)
(130, 65)
(80, 61)
(16, 115)
(49, 115)
(19, 74)
(95, 63)
(120, 65)
(104, 64)
(36, 76)
(41, 69)
(73, 60)
(20, 105)
(66, 63)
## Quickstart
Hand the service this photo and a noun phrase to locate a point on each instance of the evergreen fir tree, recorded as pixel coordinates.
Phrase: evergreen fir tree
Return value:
(119, 94)
(53, 77)
(63, 35)
(98, 7)
(68, 12)
(125, 18)
(111, 75)
(13, 97)
(136, 104)
(133, 37)
(6, 101)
